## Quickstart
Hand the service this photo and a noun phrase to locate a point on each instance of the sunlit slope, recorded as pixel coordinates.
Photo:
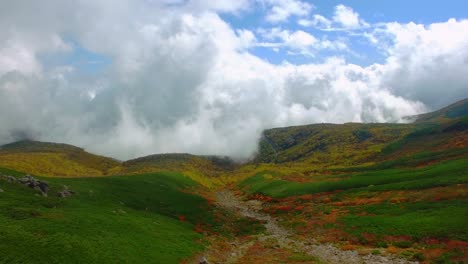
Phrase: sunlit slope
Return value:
(52, 159)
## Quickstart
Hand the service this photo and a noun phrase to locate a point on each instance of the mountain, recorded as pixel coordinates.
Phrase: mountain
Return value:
(205, 170)
(328, 144)
(453, 111)
(379, 193)
(63, 160)
(53, 159)
(351, 144)
(210, 165)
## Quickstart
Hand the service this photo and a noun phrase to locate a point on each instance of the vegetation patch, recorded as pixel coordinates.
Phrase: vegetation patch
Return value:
(132, 219)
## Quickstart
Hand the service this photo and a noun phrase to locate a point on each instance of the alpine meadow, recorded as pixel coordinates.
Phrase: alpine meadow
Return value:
(234, 131)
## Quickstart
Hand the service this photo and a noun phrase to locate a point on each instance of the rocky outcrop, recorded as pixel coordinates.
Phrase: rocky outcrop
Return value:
(29, 181)
(36, 184)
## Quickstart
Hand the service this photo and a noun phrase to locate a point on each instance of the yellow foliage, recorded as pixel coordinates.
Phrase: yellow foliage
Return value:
(46, 164)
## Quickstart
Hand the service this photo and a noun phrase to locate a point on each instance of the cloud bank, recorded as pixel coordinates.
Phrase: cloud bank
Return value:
(181, 79)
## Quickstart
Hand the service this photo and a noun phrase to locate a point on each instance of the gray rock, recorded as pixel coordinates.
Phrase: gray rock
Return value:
(30, 181)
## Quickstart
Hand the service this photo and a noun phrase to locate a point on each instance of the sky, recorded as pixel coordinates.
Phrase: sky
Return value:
(127, 78)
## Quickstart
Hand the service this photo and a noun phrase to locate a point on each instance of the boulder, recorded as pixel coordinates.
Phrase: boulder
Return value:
(44, 187)
(30, 181)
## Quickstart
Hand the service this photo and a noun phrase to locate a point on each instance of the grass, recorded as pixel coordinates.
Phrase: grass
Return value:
(123, 219)
(48, 164)
(433, 218)
(440, 174)
(52, 159)
(329, 143)
(443, 219)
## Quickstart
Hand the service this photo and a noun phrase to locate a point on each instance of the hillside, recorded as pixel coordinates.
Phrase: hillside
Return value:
(455, 110)
(375, 187)
(203, 169)
(353, 144)
(321, 193)
(137, 219)
(210, 165)
(52, 159)
(327, 143)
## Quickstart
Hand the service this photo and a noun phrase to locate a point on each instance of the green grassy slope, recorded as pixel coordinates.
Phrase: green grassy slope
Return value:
(323, 143)
(371, 184)
(380, 185)
(441, 174)
(121, 219)
(352, 144)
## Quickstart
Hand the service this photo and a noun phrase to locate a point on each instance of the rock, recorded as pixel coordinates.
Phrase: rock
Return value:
(1, 190)
(44, 187)
(11, 179)
(30, 181)
(8, 178)
(203, 260)
(66, 192)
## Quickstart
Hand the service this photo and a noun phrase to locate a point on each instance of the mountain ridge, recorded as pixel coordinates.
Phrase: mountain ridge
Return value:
(348, 144)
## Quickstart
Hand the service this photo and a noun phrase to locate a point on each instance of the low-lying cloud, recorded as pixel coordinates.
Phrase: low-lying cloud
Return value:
(181, 79)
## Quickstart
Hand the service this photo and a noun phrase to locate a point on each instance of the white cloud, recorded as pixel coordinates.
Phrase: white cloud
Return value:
(297, 42)
(346, 16)
(427, 62)
(317, 21)
(227, 6)
(281, 10)
(344, 19)
(182, 80)
(246, 37)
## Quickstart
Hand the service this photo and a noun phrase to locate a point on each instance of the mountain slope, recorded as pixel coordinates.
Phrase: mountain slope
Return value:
(369, 189)
(326, 143)
(453, 111)
(139, 219)
(203, 169)
(52, 159)
(351, 144)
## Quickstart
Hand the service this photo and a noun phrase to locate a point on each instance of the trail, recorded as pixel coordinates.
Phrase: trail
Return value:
(285, 239)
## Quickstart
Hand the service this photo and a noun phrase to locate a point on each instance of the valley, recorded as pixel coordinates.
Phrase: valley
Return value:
(320, 193)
